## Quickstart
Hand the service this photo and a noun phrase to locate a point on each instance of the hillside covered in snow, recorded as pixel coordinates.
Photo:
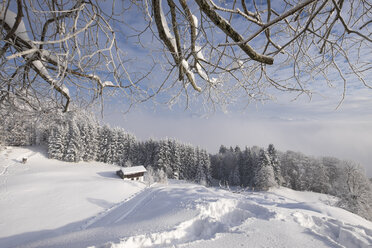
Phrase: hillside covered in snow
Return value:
(50, 203)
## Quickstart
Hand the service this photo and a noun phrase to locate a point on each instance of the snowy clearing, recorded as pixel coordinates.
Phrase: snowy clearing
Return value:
(49, 203)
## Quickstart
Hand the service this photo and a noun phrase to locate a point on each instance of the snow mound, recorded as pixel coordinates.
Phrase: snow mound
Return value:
(215, 216)
(337, 232)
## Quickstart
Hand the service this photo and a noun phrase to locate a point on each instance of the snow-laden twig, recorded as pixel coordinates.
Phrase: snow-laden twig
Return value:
(23, 53)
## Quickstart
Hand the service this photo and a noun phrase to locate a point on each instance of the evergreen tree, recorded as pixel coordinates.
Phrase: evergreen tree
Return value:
(121, 142)
(104, 142)
(264, 174)
(237, 150)
(150, 149)
(246, 168)
(163, 158)
(275, 163)
(175, 160)
(133, 150)
(125, 148)
(234, 178)
(216, 166)
(57, 142)
(207, 167)
(201, 169)
(183, 161)
(87, 137)
(200, 174)
(223, 149)
(74, 145)
(190, 163)
(113, 155)
(17, 128)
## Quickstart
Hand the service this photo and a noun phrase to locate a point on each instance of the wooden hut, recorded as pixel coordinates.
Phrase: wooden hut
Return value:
(134, 173)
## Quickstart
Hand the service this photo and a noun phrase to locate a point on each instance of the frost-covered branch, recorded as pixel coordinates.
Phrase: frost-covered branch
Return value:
(144, 49)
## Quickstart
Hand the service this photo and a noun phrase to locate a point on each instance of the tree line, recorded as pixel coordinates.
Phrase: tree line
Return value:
(259, 168)
(74, 138)
(78, 136)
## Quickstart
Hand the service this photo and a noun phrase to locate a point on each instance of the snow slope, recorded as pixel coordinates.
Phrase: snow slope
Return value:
(48, 203)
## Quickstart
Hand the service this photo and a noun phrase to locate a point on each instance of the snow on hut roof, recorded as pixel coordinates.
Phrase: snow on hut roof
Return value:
(133, 170)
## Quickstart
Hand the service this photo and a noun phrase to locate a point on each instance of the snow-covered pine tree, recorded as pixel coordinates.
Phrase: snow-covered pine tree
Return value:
(234, 177)
(275, 163)
(104, 134)
(57, 141)
(91, 142)
(150, 148)
(141, 153)
(264, 174)
(81, 124)
(200, 176)
(246, 168)
(121, 147)
(74, 143)
(182, 154)
(183, 161)
(189, 162)
(216, 170)
(237, 150)
(223, 149)
(17, 129)
(175, 160)
(241, 165)
(113, 157)
(163, 158)
(133, 151)
(193, 162)
(124, 147)
(207, 167)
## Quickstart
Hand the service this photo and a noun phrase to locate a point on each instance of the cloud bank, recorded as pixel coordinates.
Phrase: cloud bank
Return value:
(345, 139)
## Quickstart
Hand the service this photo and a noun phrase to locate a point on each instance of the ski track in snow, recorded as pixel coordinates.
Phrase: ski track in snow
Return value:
(119, 211)
(226, 215)
(215, 216)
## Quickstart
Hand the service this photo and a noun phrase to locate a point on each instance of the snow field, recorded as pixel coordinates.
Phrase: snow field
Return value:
(49, 203)
(48, 194)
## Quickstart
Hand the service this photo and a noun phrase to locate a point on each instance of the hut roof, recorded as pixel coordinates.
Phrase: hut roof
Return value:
(133, 170)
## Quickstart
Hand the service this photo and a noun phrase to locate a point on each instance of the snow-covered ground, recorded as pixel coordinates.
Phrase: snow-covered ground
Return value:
(48, 203)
